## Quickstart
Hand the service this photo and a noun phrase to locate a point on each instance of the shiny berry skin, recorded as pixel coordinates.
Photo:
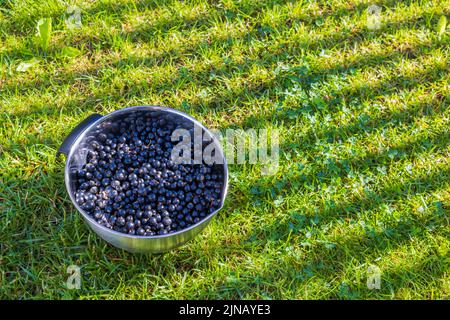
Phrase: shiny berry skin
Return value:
(130, 225)
(120, 221)
(167, 221)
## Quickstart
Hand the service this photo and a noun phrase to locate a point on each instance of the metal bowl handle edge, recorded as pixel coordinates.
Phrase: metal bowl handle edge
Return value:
(70, 139)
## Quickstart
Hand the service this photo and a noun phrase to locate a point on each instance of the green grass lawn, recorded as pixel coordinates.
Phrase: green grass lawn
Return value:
(363, 116)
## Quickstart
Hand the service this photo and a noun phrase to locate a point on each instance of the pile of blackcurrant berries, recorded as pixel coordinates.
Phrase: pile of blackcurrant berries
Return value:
(129, 183)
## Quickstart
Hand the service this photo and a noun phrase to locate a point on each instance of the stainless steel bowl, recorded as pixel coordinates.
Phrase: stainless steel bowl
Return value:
(75, 147)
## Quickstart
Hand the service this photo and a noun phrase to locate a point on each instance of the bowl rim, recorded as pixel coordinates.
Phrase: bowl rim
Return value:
(149, 108)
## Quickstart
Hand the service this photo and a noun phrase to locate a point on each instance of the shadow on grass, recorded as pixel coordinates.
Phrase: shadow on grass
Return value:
(332, 41)
(319, 262)
(351, 207)
(226, 97)
(429, 271)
